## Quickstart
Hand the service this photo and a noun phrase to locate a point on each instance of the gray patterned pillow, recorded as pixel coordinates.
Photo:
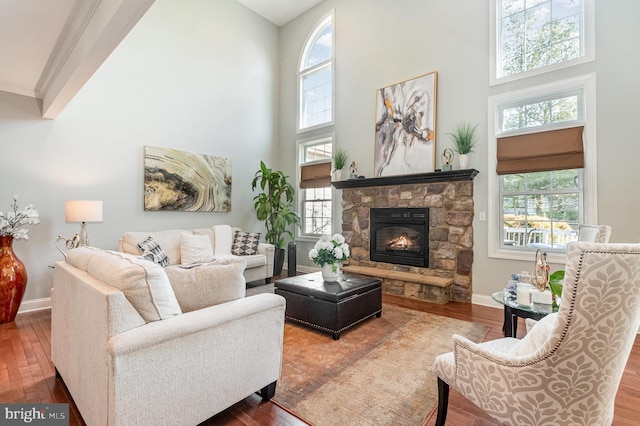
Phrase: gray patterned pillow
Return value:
(153, 252)
(245, 243)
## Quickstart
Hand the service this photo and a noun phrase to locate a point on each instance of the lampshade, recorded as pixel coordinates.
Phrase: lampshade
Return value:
(83, 211)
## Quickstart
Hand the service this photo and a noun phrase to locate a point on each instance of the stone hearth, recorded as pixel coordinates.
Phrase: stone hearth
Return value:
(449, 197)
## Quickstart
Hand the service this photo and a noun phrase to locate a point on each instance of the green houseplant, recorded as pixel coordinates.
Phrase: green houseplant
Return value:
(556, 283)
(464, 140)
(274, 206)
(339, 162)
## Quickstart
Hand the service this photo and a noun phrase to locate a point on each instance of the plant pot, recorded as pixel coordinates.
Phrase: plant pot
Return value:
(336, 175)
(331, 272)
(278, 261)
(463, 161)
(13, 280)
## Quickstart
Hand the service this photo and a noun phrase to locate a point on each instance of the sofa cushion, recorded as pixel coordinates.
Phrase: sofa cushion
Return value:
(145, 284)
(245, 243)
(195, 249)
(207, 285)
(152, 251)
(223, 238)
(169, 241)
(254, 261)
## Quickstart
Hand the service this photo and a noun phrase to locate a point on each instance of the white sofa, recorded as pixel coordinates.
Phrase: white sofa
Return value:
(259, 265)
(132, 350)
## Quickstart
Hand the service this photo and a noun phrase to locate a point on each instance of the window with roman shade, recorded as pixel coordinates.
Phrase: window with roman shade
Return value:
(316, 175)
(315, 186)
(543, 154)
(558, 149)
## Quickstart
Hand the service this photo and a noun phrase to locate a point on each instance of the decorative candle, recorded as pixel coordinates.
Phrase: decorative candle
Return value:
(524, 294)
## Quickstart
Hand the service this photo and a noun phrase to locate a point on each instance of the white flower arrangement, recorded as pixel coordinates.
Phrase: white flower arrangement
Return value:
(330, 250)
(12, 223)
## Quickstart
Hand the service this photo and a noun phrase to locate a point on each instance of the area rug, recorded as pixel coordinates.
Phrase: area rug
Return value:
(378, 373)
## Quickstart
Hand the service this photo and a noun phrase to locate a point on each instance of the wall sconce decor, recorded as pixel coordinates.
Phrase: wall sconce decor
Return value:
(82, 211)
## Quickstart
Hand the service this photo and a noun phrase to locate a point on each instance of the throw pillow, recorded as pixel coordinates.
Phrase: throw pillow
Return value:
(195, 249)
(153, 252)
(245, 243)
(535, 337)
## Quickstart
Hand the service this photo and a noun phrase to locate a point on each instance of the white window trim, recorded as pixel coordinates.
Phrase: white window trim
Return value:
(590, 213)
(589, 45)
(301, 143)
(300, 73)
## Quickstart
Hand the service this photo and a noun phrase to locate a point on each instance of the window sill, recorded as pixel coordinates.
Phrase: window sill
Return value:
(527, 255)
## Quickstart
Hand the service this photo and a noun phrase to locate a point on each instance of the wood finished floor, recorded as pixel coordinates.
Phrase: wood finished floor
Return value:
(27, 373)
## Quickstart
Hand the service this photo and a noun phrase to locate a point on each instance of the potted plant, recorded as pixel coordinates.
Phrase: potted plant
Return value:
(556, 283)
(464, 139)
(329, 252)
(339, 162)
(274, 206)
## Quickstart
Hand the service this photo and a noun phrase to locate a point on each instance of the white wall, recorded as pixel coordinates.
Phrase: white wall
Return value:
(195, 75)
(379, 43)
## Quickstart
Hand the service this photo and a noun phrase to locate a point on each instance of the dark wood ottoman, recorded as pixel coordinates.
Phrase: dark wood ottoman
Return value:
(330, 307)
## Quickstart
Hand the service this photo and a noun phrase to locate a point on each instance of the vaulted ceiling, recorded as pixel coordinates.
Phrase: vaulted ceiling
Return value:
(49, 50)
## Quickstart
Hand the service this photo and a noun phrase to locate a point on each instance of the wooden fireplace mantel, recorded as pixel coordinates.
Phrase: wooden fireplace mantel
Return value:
(454, 175)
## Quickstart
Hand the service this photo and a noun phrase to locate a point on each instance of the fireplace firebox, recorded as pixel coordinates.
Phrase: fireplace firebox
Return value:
(400, 236)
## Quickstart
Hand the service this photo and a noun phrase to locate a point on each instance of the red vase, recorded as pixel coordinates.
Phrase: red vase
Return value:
(13, 280)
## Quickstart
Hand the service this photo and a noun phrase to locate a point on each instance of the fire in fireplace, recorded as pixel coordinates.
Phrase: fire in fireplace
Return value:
(400, 236)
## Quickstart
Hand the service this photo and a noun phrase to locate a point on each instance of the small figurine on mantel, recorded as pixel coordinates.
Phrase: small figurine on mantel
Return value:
(353, 171)
(447, 159)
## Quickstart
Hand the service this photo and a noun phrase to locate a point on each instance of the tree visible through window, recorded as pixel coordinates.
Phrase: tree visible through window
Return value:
(537, 33)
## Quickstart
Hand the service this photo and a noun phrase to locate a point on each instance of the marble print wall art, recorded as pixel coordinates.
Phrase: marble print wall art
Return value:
(406, 127)
(178, 180)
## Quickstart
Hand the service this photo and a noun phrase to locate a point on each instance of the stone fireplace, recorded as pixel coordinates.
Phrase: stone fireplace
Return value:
(443, 202)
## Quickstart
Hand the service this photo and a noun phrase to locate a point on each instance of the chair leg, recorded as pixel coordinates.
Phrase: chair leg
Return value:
(268, 391)
(443, 402)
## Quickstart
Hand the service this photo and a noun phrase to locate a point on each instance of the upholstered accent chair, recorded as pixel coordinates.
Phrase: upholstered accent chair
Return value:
(594, 233)
(567, 369)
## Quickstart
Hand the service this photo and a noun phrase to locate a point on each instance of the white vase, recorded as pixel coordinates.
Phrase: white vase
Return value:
(336, 175)
(463, 161)
(330, 272)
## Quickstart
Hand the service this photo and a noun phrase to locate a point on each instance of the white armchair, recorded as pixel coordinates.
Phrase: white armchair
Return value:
(568, 368)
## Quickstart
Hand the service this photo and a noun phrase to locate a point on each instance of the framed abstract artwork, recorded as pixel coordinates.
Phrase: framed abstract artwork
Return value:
(405, 132)
(178, 180)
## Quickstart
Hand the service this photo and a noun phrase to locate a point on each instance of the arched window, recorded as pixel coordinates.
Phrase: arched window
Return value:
(315, 76)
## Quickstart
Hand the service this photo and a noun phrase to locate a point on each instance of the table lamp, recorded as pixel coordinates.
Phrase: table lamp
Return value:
(82, 211)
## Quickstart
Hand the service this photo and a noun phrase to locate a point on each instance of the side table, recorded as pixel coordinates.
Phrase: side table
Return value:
(513, 311)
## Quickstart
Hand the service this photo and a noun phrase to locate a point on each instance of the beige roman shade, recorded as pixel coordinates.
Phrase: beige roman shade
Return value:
(540, 152)
(316, 175)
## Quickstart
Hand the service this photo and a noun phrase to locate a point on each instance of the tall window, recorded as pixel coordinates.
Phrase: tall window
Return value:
(315, 110)
(535, 35)
(544, 157)
(315, 105)
(315, 186)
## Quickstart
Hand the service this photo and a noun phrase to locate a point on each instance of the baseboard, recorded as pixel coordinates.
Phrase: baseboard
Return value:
(35, 305)
(483, 300)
